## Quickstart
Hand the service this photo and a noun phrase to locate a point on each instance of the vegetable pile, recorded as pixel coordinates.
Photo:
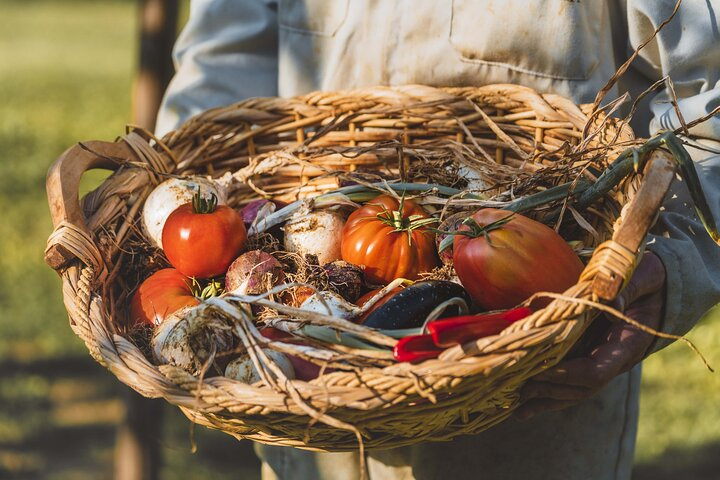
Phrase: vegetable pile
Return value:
(378, 271)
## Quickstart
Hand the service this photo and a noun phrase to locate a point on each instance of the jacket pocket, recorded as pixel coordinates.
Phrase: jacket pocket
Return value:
(312, 17)
(549, 38)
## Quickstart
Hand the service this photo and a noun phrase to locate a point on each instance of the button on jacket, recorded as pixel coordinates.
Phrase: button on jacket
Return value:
(235, 49)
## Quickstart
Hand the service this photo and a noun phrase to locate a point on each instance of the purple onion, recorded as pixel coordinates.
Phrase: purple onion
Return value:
(250, 211)
(253, 273)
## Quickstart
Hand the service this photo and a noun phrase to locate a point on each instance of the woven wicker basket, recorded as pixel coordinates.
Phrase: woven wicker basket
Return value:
(289, 148)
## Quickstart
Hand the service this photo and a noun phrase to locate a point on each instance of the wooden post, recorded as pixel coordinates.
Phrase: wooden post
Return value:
(158, 30)
(137, 445)
(137, 448)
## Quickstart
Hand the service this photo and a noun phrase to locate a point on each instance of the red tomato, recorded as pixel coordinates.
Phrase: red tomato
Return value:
(390, 241)
(510, 262)
(203, 244)
(160, 295)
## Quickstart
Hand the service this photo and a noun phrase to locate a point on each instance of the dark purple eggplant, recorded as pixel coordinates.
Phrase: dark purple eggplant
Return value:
(410, 307)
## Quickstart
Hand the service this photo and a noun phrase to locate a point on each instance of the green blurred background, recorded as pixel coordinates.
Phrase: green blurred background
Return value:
(66, 70)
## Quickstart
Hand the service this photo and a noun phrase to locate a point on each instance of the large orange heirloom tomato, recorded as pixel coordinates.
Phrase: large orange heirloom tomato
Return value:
(160, 295)
(391, 240)
(201, 239)
(503, 258)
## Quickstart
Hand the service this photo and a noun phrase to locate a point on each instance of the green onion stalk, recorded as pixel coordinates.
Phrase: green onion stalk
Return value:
(584, 192)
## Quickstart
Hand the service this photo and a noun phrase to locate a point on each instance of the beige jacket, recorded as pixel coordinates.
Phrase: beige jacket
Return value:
(233, 49)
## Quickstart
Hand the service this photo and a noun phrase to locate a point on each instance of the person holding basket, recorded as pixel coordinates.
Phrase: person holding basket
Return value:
(579, 419)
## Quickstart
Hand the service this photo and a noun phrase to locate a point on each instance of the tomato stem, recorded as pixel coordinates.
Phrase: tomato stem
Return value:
(475, 231)
(400, 223)
(214, 288)
(202, 205)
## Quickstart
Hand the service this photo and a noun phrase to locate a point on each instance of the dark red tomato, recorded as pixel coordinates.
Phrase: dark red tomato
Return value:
(389, 240)
(274, 334)
(512, 259)
(201, 239)
(160, 295)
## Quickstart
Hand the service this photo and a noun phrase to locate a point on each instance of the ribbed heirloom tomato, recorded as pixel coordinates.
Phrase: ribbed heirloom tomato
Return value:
(503, 258)
(160, 295)
(391, 240)
(201, 239)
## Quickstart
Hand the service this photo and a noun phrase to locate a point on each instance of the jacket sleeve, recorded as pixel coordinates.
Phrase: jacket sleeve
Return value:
(688, 50)
(227, 51)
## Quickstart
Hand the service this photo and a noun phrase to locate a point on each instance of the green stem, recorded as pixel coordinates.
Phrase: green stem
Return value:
(632, 159)
(475, 230)
(586, 193)
(689, 173)
(360, 194)
(203, 205)
(550, 195)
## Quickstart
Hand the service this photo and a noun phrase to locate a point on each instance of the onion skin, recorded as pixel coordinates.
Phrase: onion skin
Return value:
(187, 338)
(297, 296)
(170, 195)
(253, 273)
(345, 278)
(250, 211)
(339, 307)
(316, 233)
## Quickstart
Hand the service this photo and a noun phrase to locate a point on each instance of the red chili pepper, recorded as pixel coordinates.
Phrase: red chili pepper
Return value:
(450, 331)
(415, 348)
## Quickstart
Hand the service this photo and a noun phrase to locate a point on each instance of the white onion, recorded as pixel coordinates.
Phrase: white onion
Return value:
(315, 233)
(168, 196)
(243, 368)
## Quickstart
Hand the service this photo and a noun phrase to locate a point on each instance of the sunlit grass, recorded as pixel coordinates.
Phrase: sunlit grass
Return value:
(65, 76)
(680, 401)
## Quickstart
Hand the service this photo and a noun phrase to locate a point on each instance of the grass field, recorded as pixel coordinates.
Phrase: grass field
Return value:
(65, 76)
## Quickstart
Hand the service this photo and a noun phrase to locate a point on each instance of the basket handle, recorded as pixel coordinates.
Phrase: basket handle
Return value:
(619, 254)
(63, 186)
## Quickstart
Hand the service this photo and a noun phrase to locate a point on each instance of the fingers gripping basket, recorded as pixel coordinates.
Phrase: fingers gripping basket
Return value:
(514, 140)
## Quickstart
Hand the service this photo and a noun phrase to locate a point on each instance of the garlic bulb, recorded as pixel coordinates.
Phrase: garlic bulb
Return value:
(243, 368)
(339, 307)
(189, 337)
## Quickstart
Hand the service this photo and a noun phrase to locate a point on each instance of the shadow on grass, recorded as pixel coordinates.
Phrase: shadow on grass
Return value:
(53, 367)
(682, 463)
(58, 420)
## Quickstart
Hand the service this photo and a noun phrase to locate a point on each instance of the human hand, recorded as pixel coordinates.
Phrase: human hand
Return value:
(622, 347)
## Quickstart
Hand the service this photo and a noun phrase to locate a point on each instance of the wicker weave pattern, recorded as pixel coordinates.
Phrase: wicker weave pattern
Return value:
(470, 387)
